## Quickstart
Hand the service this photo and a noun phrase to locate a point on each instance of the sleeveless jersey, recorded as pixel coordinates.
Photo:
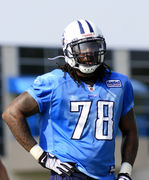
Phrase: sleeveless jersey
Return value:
(78, 123)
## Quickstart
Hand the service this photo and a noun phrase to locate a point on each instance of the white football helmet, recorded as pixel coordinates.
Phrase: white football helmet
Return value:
(83, 46)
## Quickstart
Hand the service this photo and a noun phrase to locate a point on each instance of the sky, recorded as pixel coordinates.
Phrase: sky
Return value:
(124, 24)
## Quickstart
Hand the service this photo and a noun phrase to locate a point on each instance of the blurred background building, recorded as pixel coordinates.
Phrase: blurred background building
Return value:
(30, 32)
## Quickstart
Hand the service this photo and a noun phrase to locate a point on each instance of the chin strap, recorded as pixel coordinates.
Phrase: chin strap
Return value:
(87, 70)
(57, 57)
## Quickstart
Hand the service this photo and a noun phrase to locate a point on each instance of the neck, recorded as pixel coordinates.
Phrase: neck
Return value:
(89, 79)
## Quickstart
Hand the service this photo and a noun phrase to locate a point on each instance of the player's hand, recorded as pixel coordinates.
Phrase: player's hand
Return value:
(51, 162)
(123, 176)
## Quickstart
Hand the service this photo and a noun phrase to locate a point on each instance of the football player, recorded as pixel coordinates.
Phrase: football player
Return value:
(81, 104)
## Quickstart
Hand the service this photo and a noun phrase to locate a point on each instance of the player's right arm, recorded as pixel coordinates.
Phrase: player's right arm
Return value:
(15, 116)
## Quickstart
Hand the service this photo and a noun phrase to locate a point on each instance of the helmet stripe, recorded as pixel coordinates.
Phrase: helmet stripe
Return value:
(81, 28)
(90, 27)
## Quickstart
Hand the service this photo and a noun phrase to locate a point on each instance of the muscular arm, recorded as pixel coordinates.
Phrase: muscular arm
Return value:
(15, 117)
(129, 137)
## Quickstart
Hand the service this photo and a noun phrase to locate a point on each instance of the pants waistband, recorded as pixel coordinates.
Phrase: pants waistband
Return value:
(76, 175)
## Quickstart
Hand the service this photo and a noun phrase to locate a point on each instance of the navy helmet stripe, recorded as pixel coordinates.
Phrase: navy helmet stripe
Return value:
(90, 27)
(81, 28)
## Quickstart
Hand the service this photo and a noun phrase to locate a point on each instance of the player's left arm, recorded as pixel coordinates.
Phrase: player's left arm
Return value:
(130, 142)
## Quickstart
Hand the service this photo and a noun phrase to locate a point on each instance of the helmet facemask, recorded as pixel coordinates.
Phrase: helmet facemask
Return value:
(86, 54)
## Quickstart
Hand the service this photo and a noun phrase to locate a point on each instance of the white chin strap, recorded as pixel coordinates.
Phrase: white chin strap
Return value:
(86, 69)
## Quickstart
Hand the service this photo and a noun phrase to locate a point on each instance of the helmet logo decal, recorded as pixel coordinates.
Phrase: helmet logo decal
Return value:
(82, 31)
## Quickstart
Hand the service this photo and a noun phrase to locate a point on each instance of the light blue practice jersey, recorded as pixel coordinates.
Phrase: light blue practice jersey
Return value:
(79, 124)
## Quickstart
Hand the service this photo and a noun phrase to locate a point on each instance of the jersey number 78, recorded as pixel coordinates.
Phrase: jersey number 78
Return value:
(103, 123)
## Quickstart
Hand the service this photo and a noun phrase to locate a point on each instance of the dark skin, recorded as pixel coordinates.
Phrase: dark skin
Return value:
(3, 172)
(130, 140)
(24, 105)
(15, 116)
